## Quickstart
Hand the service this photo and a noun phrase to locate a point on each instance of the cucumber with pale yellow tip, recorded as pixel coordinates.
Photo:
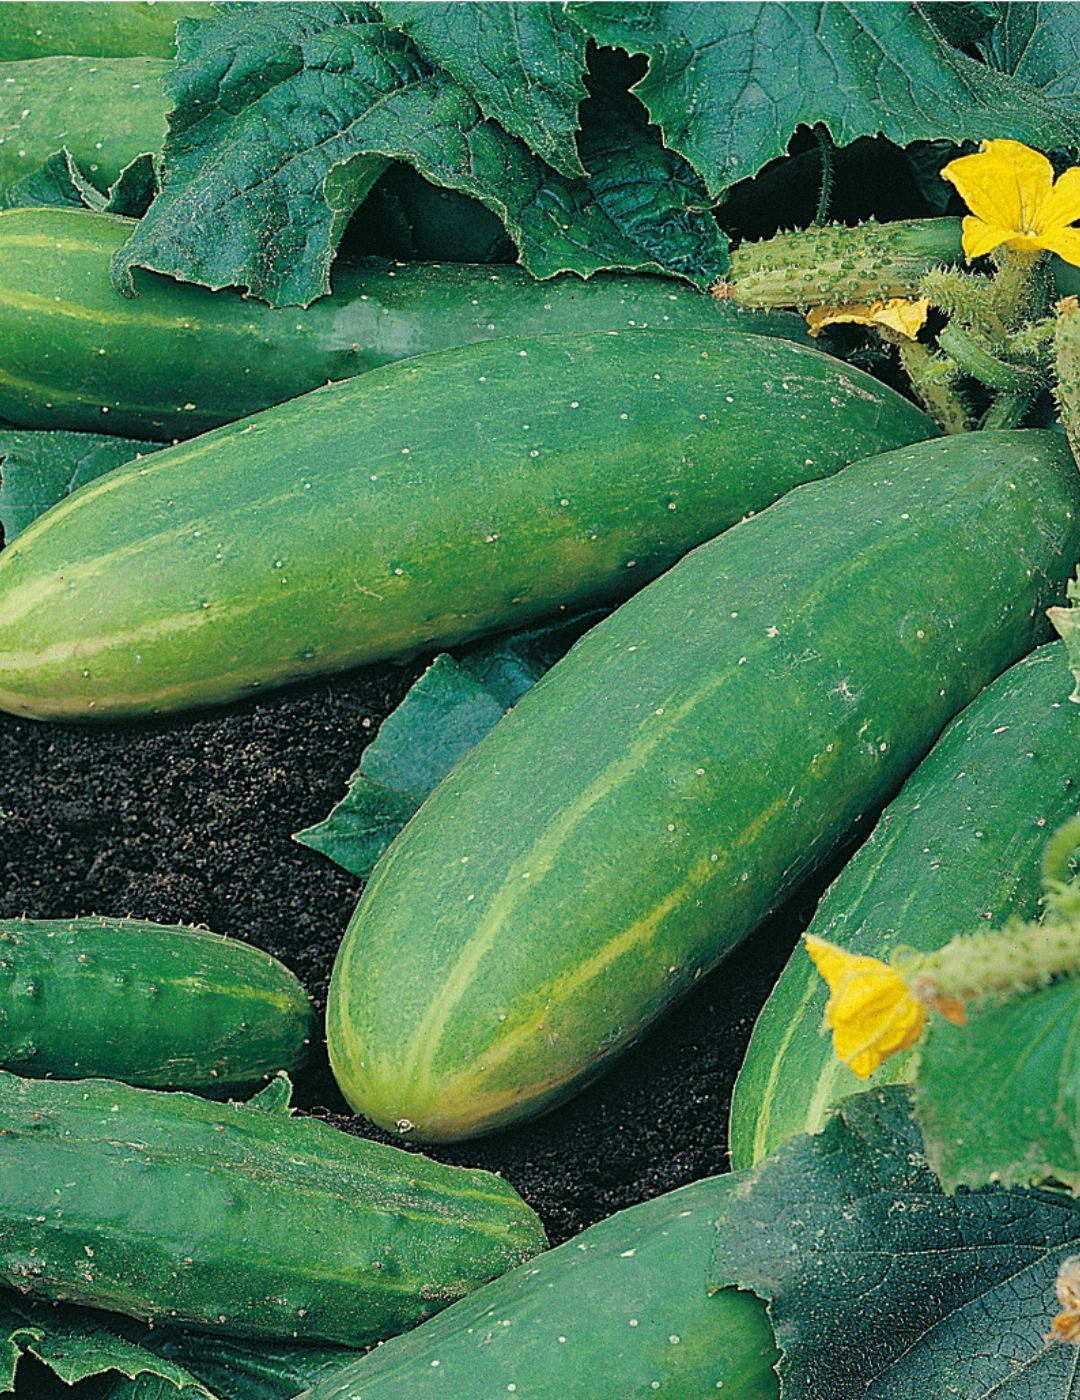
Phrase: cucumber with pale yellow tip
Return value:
(669, 782)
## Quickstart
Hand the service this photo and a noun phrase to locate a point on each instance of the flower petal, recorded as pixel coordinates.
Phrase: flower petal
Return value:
(871, 1010)
(897, 314)
(980, 238)
(1006, 184)
(1065, 243)
(1062, 207)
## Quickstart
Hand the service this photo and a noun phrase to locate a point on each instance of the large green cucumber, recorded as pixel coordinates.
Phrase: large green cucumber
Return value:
(668, 782)
(106, 111)
(238, 1218)
(179, 359)
(152, 1005)
(622, 1312)
(958, 848)
(29, 29)
(421, 504)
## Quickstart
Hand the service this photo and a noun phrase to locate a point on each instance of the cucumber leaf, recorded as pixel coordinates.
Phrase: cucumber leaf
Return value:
(999, 1098)
(728, 84)
(286, 116)
(1040, 45)
(879, 1284)
(60, 182)
(124, 1360)
(522, 64)
(37, 469)
(444, 714)
(76, 1345)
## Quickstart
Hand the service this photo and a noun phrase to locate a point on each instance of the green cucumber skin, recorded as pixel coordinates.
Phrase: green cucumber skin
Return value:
(146, 1003)
(959, 848)
(178, 360)
(664, 786)
(106, 111)
(618, 1313)
(427, 502)
(106, 30)
(238, 1217)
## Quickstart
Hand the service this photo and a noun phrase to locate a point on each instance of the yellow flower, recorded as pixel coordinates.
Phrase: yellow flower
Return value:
(897, 314)
(1014, 199)
(871, 1010)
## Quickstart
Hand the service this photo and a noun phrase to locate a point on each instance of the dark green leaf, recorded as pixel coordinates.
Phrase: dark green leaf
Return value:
(60, 182)
(37, 469)
(76, 1344)
(999, 1098)
(117, 1358)
(962, 23)
(729, 84)
(522, 64)
(284, 121)
(1067, 624)
(448, 710)
(1040, 45)
(880, 1285)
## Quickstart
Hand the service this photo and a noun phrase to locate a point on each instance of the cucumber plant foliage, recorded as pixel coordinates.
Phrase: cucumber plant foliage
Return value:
(285, 116)
(879, 1284)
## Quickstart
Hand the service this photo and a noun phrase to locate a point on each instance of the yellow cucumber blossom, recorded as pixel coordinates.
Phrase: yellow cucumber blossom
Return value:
(871, 1011)
(1015, 200)
(899, 314)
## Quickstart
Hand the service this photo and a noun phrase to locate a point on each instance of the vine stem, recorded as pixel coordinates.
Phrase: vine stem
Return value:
(825, 147)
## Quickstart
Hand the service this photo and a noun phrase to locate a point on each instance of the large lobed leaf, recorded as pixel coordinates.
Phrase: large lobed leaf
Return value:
(728, 84)
(285, 116)
(881, 1285)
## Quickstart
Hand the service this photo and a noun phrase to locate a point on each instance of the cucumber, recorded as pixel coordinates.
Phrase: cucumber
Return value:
(665, 785)
(959, 848)
(107, 30)
(619, 1313)
(178, 360)
(105, 111)
(152, 1005)
(238, 1218)
(460, 492)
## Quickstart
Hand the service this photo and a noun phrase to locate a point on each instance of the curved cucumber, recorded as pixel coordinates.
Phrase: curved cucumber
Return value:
(153, 1005)
(177, 360)
(958, 848)
(668, 782)
(238, 1217)
(421, 504)
(106, 111)
(619, 1313)
(108, 30)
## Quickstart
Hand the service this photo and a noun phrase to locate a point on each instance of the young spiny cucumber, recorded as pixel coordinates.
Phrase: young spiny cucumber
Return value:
(238, 1217)
(169, 1008)
(430, 501)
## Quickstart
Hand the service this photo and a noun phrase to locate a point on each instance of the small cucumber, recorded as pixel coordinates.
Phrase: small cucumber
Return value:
(427, 502)
(669, 782)
(152, 1005)
(106, 30)
(177, 360)
(622, 1312)
(105, 111)
(238, 1218)
(956, 851)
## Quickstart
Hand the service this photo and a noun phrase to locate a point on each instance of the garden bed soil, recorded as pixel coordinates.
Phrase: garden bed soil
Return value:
(189, 820)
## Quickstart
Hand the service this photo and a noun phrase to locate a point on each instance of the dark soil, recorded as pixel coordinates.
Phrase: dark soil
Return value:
(189, 820)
